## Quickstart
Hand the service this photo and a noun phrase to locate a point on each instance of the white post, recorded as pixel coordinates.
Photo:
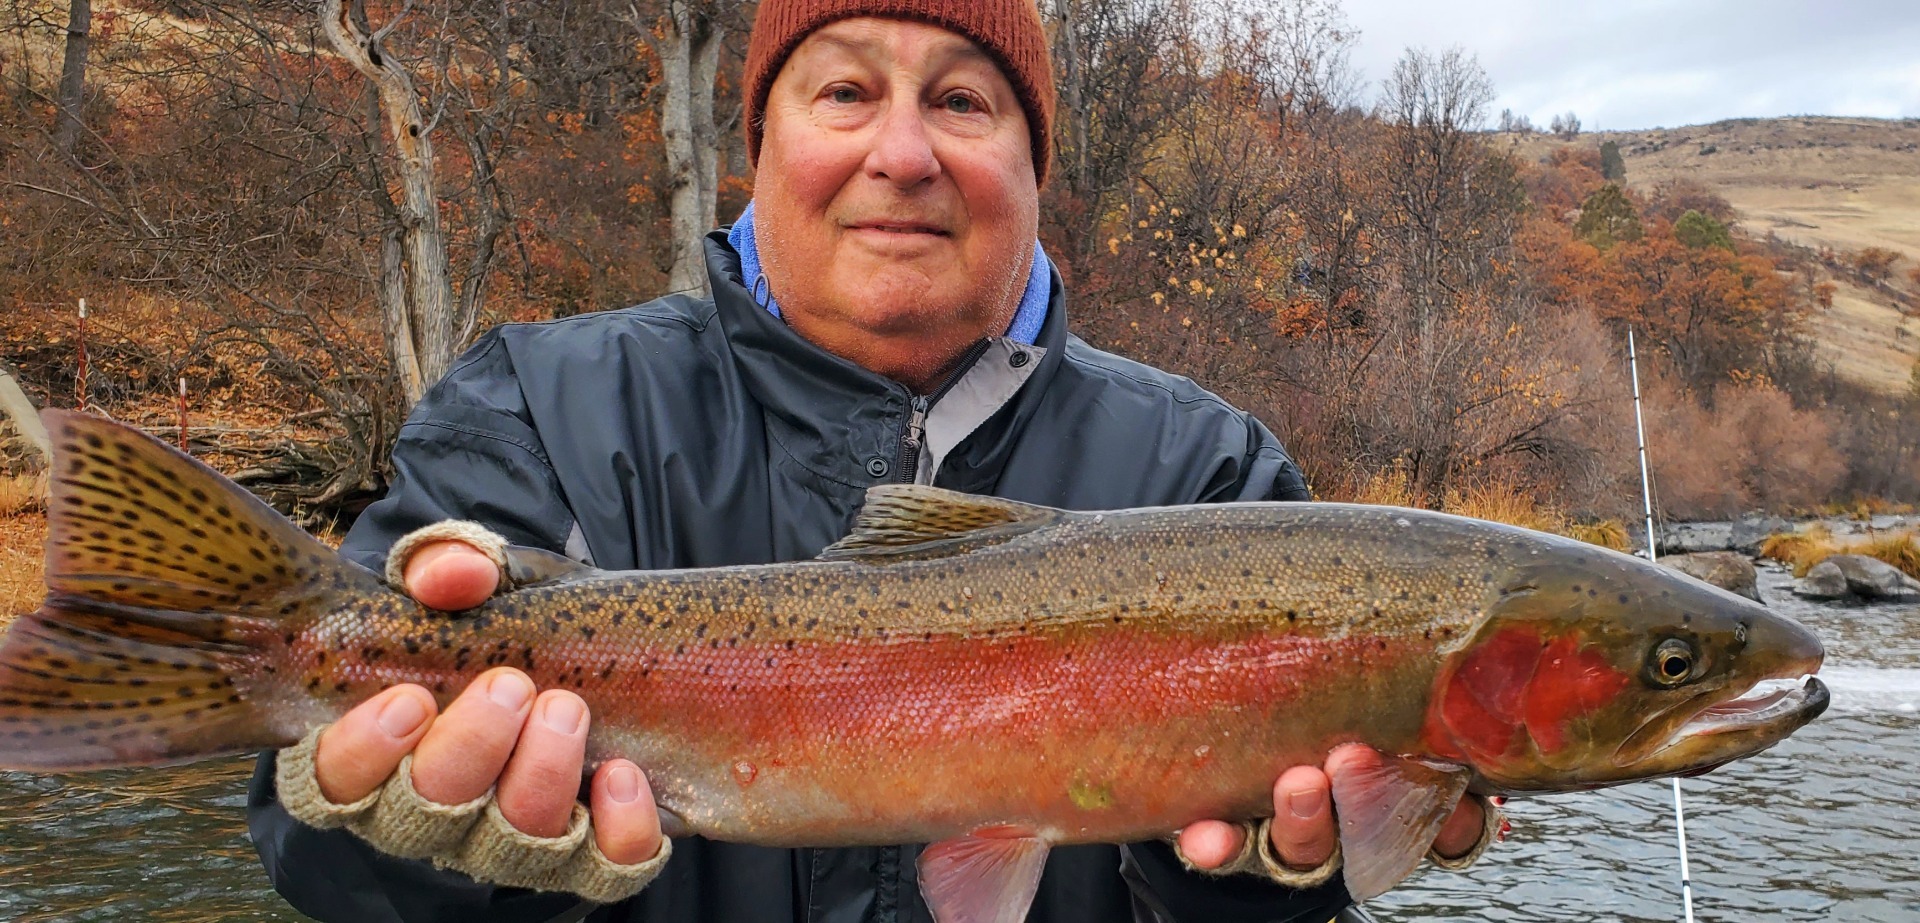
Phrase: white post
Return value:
(1646, 494)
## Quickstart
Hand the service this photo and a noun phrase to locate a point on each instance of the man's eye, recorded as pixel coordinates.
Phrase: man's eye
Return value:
(960, 104)
(844, 95)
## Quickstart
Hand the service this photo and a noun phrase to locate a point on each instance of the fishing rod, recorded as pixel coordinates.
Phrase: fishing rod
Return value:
(1646, 496)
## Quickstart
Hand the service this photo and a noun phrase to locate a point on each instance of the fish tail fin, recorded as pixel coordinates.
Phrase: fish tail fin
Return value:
(174, 599)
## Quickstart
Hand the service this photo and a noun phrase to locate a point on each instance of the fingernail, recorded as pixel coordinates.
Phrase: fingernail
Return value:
(510, 691)
(564, 713)
(623, 784)
(401, 716)
(1307, 803)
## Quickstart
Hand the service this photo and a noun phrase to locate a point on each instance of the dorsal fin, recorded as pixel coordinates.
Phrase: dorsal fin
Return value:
(910, 521)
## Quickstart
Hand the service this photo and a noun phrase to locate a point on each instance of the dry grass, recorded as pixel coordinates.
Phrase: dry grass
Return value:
(23, 493)
(22, 536)
(1493, 502)
(1505, 503)
(1607, 533)
(1391, 487)
(1802, 550)
(1900, 549)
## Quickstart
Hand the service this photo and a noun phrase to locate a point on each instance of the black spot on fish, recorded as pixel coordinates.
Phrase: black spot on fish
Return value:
(1624, 599)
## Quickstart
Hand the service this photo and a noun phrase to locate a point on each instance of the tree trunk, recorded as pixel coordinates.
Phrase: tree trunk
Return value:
(423, 327)
(689, 53)
(73, 76)
(1073, 94)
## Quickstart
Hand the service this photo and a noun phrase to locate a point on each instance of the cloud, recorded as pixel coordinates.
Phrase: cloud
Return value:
(1632, 64)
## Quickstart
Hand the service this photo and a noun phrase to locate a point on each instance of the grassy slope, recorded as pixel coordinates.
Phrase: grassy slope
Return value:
(1842, 183)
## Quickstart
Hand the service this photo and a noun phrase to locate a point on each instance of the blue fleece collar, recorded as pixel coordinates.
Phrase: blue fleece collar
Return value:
(1026, 319)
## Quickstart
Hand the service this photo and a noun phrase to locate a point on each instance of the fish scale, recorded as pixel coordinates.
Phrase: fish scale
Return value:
(989, 676)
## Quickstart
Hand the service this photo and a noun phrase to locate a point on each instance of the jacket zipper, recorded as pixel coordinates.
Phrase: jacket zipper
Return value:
(916, 430)
(909, 467)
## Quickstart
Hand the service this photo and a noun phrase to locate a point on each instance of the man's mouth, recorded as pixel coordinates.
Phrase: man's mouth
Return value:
(900, 227)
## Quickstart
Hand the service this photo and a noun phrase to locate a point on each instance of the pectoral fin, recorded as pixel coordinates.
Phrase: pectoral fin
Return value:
(1390, 810)
(982, 879)
(537, 566)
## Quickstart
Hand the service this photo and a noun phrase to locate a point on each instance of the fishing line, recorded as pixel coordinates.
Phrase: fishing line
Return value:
(1646, 496)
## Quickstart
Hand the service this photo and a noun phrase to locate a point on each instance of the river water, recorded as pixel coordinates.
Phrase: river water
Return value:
(1823, 827)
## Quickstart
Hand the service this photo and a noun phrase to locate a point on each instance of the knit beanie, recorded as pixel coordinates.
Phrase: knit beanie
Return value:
(1009, 30)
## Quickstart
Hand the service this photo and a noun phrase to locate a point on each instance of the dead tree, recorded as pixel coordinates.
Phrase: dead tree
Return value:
(73, 76)
(424, 324)
(687, 36)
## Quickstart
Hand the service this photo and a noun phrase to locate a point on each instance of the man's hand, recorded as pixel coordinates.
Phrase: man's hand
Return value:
(498, 733)
(1303, 830)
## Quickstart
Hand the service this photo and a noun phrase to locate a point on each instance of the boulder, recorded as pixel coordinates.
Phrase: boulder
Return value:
(1823, 581)
(1724, 569)
(1856, 575)
(1678, 538)
(1750, 532)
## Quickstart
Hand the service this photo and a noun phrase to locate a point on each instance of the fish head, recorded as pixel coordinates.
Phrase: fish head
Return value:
(1592, 668)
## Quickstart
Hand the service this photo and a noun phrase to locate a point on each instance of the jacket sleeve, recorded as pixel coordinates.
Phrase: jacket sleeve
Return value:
(467, 452)
(1251, 465)
(1264, 471)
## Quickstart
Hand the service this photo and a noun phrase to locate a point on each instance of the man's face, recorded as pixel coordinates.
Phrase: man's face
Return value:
(896, 202)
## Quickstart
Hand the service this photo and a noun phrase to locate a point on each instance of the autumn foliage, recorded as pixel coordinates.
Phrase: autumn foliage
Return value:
(1388, 286)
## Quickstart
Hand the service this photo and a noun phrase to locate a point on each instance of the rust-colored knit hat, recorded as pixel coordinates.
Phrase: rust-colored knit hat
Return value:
(1010, 31)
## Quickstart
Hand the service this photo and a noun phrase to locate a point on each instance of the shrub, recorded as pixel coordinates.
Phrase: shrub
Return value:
(1800, 550)
(1607, 533)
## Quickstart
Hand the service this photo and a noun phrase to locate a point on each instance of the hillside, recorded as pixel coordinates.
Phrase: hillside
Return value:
(1842, 184)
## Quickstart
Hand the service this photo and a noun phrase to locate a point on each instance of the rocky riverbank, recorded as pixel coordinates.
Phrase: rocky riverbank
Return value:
(1745, 535)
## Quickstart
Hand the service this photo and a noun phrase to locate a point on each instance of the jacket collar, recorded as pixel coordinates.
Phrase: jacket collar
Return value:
(837, 416)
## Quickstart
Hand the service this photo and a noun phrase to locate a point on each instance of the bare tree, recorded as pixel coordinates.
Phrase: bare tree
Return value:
(1453, 197)
(73, 75)
(687, 36)
(422, 323)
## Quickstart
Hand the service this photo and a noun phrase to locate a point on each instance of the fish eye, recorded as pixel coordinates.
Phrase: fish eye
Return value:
(1671, 663)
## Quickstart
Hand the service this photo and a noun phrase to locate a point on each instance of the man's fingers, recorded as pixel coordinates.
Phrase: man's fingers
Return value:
(1209, 844)
(451, 576)
(466, 748)
(1303, 831)
(1461, 833)
(626, 825)
(542, 780)
(358, 752)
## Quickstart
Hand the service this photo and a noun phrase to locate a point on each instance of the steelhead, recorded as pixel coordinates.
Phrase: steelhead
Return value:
(988, 676)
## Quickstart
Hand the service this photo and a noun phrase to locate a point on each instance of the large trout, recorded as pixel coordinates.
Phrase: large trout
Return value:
(988, 676)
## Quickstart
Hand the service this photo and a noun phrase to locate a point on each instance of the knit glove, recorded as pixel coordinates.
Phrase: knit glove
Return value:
(1258, 858)
(472, 838)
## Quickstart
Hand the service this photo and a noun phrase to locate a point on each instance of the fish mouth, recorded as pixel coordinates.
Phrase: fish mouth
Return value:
(1728, 727)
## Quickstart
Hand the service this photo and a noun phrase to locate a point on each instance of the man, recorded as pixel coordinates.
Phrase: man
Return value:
(882, 312)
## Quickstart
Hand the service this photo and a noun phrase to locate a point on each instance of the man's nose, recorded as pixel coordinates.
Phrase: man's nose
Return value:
(902, 151)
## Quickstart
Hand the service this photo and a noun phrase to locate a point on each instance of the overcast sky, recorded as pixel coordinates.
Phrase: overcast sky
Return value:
(1631, 64)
